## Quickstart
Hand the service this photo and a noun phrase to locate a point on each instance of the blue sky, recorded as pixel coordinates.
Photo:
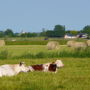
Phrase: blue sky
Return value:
(33, 15)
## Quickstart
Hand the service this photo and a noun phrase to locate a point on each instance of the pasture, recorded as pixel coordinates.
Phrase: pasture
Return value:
(75, 75)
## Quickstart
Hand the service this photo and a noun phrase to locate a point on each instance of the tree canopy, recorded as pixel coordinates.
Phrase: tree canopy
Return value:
(86, 29)
(9, 33)
(58, 31)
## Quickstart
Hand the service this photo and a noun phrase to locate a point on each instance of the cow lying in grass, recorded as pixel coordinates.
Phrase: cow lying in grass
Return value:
(10, 70)
(52, 67)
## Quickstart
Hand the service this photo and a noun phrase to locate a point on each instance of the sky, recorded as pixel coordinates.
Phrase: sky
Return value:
(34, 15)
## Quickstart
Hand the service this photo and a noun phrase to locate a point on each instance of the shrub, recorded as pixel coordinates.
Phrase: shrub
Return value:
(26, 42)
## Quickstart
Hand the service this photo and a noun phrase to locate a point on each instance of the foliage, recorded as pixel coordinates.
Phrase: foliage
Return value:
(26, 42)
(34, 42)
(50, 33)
(72, 32)
(43, 33)
(86, 29)
(28, 35)
(9, 33)
(1, 34)
(59, 31)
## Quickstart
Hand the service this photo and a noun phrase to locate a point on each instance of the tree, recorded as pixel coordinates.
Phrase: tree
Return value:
(68, 31)
(73, 32)
(1, 34)
(43, 33)
(28, 34)
(9, 33)
(16, 34)
(50, 33)
(86, 29)
(59, 31)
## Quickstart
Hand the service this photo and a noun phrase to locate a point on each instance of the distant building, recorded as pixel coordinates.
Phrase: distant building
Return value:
(69, 36)
(82, 35)
(22, 32)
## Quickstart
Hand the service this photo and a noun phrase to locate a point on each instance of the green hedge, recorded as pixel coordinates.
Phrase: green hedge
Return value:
(41, 42)
(26, 42)
(44, 42)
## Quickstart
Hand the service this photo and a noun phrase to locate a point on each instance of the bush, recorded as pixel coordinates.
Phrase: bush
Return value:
(26, 42)
(42, 42)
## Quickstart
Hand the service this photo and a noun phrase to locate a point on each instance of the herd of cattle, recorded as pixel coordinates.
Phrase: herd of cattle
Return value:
(14, 69)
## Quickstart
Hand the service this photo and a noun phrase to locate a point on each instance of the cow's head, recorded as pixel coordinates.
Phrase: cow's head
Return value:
(22, 67)
(59, 63)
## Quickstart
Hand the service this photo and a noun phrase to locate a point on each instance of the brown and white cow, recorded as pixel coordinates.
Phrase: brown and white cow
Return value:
(10, 70)
(52, 67)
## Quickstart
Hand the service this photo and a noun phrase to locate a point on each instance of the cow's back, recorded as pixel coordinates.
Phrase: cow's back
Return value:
(6, 70)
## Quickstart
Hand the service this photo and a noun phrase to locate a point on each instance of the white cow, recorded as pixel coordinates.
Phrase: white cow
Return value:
(59, 63)
(10, 70)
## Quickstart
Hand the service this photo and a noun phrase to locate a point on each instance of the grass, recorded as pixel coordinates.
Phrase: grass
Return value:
(75, 75)
(38, 41)
(26, 42)
(41, 51)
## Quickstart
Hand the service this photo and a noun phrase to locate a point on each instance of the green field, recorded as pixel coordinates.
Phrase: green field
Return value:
(75, 75)
(41, 51)
(38, 41)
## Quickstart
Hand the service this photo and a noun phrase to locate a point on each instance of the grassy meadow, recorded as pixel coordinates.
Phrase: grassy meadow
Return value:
(75, 75)
(40, 51)
(37, 41)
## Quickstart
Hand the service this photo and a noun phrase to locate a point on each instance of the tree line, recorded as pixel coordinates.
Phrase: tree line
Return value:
(58, 31)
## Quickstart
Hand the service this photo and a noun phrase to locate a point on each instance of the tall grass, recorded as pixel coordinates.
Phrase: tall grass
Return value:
(75, 53)
(75, 75)
(40, 51)
(4, 54)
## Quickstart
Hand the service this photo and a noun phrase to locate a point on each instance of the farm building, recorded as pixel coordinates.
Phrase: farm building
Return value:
(82, 35)
(69, 36)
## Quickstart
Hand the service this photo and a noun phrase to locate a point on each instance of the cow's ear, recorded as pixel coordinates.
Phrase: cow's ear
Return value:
(21, 63)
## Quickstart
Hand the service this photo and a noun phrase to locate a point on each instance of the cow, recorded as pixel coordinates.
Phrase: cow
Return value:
(13, 69)
(52, 67)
